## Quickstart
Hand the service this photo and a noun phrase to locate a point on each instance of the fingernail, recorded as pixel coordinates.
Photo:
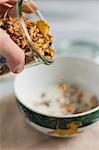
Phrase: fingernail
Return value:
(18, 69)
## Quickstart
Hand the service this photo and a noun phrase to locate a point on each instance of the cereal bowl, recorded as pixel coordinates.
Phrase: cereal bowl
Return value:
(32, 81)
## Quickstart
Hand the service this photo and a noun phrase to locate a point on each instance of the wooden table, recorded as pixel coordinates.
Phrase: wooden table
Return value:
(16, 134)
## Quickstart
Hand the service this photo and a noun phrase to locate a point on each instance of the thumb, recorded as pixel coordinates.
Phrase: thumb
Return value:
(14, 55)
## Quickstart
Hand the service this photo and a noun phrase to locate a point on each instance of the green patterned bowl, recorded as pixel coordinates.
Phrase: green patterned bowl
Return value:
(33, 80)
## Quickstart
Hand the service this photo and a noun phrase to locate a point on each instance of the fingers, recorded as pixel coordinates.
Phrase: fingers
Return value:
(3, 1)
(14, 55)
(13, 11)
(9, 1)
(29, 6)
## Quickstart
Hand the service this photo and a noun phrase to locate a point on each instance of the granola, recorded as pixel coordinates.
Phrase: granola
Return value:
(39, 32)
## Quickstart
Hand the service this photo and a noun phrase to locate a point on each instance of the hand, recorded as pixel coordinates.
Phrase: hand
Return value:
(14, 55)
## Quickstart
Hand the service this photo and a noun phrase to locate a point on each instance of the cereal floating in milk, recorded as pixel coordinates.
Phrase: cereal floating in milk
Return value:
(64, 99)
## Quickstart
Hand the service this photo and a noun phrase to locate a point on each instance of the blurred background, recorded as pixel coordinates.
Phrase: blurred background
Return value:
(72, 19)
(69, 20)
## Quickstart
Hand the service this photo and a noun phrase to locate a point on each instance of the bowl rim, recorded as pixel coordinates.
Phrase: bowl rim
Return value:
(54, 115)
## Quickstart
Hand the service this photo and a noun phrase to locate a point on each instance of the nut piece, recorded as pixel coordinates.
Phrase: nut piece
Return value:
(94, 101)
(63, 87)
(46, 103)
(43, 26)
(67, 108)
(1, 22)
